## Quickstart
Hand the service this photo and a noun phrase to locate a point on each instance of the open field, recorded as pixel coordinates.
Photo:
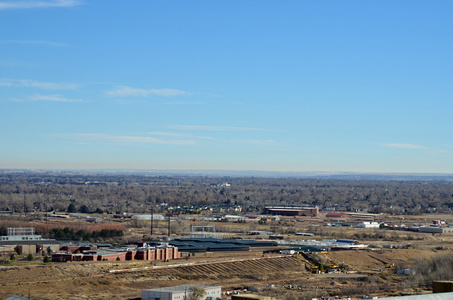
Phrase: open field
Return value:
(95, 281)
(368, 273)
(125, 280)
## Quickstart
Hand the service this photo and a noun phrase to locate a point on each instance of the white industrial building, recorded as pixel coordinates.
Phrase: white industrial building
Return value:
(148, 217)
(21, 234)
(369, 225)
(180, 292)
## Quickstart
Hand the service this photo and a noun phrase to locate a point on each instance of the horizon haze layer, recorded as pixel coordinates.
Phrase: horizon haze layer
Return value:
(239, 174)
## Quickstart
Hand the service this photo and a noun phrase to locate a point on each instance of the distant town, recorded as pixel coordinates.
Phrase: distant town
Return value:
(223, 237)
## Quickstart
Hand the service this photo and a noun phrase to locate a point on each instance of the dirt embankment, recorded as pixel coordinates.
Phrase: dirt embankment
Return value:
(365, 260)
(96, 281)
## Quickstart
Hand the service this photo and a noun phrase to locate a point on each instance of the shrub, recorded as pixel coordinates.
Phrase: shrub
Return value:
(427, 270)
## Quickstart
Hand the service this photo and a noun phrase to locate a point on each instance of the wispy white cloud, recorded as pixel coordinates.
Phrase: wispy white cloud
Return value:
(131, 139)
(159, 133)
(32, 42)
(216, 128)
(441, 152)
(126, 91)
(37, 4)
(403, 146)
(166, 133)
(259, 142)
(6, 82)
(182, 103)
(56, 98)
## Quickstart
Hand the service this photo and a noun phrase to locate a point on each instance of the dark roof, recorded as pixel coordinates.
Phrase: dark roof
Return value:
(214, 244)
(250, 243)
(307, 248)
(335, 214)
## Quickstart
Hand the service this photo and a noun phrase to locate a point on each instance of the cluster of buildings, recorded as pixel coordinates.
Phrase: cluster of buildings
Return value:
(438, 226)
(442, 290)
(142, 251)
(342, 218)
(324, 245)
(345, 216)
(434, 228)
(24, 241)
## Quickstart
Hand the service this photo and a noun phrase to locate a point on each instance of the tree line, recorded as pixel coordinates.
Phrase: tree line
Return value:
(82, 235)
(33, 191)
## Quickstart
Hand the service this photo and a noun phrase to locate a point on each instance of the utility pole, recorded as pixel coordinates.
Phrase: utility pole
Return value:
(25, 206)
(152, 219)
(168, 226)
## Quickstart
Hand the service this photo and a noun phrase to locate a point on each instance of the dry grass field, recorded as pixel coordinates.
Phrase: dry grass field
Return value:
(232, 270)
(104, 280)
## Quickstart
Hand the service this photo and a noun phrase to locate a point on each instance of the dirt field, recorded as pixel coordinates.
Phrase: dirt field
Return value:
(368, 270)
(95, 281)
(105, 280)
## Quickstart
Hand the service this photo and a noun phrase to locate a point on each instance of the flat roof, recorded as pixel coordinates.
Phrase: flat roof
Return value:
(286, 209)
(110, 252)
(292, 207)
(182, 288)
(437, 296)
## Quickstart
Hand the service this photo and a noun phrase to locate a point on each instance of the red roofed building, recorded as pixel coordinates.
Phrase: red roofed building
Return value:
(338, 216)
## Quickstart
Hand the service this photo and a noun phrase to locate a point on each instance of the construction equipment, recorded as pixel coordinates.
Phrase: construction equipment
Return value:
(386, 263)
(316, 267)
(311, 267)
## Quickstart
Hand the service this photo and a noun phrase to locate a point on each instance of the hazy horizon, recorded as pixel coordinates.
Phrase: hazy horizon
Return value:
(236, 173)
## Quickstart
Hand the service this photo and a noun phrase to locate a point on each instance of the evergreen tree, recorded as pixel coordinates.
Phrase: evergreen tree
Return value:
(71, 208)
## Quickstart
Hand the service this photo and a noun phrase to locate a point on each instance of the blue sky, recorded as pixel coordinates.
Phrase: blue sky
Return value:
(360, 86)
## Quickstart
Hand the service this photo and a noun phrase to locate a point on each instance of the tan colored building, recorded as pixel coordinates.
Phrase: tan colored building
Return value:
(162, 252)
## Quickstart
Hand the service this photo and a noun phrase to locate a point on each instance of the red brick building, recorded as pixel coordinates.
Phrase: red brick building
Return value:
(160, 252)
